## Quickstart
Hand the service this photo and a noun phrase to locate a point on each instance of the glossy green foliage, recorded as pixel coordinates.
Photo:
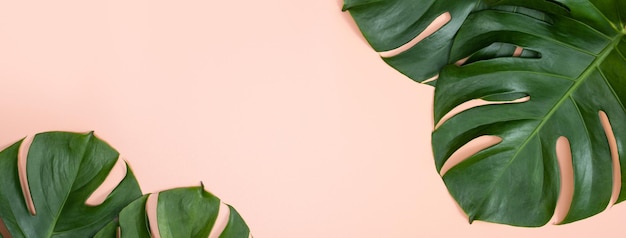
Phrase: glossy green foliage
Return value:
(580, 72)
(389, 24)
(572, 69)
(181, 212)
(236, 226)
(132, 219)
(63, 170)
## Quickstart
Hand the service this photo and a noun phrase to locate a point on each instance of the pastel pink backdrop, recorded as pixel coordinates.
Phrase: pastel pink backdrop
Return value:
(279, 107)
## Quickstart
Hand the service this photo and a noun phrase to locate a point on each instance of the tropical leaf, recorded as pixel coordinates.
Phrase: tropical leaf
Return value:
(180, 212)
(391, 24)
(578, 73)
(63, 170)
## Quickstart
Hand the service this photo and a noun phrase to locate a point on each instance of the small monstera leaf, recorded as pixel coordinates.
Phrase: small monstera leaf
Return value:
(577, 76)
(63, 170)
(180, 212)
(391, 24)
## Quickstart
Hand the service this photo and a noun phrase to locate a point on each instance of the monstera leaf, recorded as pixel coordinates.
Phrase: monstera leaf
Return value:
(63, 170)
(389, 24)
(578, 74)
(392, 24)
(181, 212)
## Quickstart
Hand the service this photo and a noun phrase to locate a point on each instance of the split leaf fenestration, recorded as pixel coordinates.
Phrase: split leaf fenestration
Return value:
(570, 70)
(63, 170)
(180, 212)
(580, 73)
(390, 24)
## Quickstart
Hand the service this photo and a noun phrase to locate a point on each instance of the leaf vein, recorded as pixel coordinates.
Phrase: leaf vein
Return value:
(605, 52)
(58, 214)
(621, 55)
(606, 81)
(604, 16)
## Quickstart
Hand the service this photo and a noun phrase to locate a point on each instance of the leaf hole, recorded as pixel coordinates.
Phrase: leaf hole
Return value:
(617, 173)
(22, 173)
(500, 98)
(499, 50)
(474, 146)
(151, 213)
(433, 27)
(4, 231)
(518, 51)
(221, 221)
(462, 61)
(114, 178)
(431, 79)
(564, 201)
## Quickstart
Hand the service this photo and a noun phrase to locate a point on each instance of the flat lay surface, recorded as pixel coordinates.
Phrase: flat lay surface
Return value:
(280, 108)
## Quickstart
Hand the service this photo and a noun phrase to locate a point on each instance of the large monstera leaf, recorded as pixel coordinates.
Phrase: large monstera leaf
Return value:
(181, 212)
(579, 74)
(63, 170)
(391, 24)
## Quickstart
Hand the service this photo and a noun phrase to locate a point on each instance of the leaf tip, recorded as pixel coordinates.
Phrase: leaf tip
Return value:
(346, 5)
(471, 219)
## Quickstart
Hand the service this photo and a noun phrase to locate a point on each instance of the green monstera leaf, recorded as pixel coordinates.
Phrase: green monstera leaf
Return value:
(181, 212)
(577, 75)
(389, 24)
(63, 170)
(392, 24)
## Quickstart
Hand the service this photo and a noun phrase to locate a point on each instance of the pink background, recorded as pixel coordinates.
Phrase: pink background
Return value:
(279, 107)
